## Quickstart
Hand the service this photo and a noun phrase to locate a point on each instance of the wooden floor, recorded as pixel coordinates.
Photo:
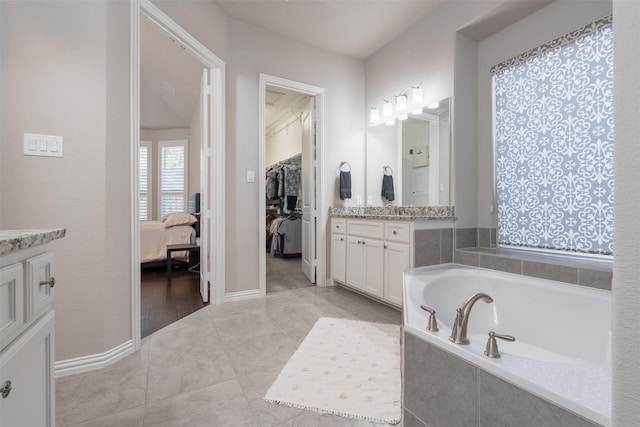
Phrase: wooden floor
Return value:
(164, 302)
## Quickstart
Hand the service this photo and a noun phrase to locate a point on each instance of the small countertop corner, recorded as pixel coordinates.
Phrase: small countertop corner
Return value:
(15, 240)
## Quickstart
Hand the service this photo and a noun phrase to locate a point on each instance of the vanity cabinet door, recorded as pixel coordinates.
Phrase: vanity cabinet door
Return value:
(11, 304)
(374, 267)
(338, 257)
(355, 262)
(397, 259)
(28, 365)
(40, 284)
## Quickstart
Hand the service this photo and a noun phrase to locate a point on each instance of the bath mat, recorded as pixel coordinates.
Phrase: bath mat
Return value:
(344, 367)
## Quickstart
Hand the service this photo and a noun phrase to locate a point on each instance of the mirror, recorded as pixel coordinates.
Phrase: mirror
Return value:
(416, 153)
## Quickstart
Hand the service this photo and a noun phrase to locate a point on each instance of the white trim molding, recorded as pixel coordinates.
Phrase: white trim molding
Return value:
(321, 241)
(94, 361)
(243, 295)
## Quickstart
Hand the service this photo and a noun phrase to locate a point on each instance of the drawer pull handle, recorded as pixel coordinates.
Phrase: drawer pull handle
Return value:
(395, 232)
(6, 389)
(342, 239)
(51, 282)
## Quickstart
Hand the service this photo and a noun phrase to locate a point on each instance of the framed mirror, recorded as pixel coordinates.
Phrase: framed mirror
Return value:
(416, 154)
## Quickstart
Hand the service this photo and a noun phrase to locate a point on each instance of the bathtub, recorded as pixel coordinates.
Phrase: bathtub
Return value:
(562, 351)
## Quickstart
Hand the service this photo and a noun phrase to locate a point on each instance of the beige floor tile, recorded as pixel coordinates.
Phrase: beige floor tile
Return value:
(263, 353)
(256, 384)
(92, 395)
(270, 414)
(219, 405)
(130, 418)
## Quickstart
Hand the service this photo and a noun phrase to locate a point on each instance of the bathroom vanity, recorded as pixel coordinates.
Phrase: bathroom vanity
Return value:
(371, 247)
(27, 290)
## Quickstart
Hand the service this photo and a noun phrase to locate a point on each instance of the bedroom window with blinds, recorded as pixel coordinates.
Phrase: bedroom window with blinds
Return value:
(144, 184)
(553, 137)
(172, 174)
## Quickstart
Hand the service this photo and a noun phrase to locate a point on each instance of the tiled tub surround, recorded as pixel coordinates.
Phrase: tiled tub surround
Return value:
(14, 240)
(473, 248)
(556, 373)
(396, 213)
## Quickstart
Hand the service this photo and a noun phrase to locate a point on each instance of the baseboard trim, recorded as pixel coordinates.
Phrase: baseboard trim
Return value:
(243, 295)
(94, 361)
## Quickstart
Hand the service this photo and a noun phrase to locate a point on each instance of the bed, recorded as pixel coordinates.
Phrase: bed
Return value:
(172, 229)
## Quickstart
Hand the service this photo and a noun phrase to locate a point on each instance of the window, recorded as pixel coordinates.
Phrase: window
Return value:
(173, 176)
(144, 183)
(553, 138)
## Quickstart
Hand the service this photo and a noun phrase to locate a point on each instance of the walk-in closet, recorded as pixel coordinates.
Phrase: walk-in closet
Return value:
(283, 188)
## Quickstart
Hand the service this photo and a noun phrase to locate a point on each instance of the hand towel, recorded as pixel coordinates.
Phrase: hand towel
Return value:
(345, 185)
(387, 187)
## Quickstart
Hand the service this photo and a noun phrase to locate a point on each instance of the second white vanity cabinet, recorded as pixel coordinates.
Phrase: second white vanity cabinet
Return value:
(376, 254)
(27, 324)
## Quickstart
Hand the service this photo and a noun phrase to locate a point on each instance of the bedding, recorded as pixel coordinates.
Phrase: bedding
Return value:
(155, 236)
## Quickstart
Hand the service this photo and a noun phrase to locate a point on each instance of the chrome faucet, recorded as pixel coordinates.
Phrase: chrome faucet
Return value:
(459, 329)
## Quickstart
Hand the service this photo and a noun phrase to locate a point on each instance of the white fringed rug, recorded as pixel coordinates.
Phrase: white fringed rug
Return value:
(344, 367)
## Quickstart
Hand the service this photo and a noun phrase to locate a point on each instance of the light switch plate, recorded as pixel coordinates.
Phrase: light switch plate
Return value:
(42, 145)
(251, 176)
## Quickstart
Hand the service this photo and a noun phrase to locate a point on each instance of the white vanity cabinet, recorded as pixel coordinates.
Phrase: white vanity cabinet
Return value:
(339, 250)
(376, 254)
(27, 322)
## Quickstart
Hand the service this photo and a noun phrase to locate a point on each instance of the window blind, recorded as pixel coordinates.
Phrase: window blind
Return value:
(172, 174)
(144, 180)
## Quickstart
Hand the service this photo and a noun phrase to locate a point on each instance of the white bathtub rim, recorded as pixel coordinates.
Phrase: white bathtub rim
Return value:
(596, 410)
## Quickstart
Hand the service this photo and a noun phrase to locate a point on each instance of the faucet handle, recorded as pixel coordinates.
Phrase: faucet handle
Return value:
(492, 344)
(432, 325)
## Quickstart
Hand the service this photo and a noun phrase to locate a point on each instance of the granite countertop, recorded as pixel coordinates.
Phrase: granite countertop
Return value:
(397, 213)
(14, 240)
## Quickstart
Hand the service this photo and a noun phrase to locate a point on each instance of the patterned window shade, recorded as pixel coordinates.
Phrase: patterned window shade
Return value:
(173, 174)
(553, 133)
(144, 177)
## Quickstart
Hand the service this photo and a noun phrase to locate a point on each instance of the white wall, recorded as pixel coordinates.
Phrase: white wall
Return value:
(626, 269)
(557, 19)
(286, 142)
(252, 51)
(65, 71)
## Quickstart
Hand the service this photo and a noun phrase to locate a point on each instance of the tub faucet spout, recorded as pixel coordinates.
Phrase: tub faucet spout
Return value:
(459, 329)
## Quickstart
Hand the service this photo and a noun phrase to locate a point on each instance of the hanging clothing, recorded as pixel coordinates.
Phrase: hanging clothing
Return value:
(291, 180)
(272, 184)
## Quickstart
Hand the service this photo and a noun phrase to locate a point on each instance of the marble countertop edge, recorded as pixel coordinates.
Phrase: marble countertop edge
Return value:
(15, 240)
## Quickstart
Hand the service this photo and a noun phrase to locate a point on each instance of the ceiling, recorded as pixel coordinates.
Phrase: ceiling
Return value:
(169, 81)
(170, 77)
(357, 28)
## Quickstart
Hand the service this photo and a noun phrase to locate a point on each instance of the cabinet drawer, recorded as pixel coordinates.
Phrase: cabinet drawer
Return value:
(40, 280)
(11, 303)
(372, 229)
(338, 225)
(397, 232)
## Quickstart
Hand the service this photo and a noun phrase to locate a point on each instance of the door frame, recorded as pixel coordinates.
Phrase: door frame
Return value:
(144, 8)
(321, 241)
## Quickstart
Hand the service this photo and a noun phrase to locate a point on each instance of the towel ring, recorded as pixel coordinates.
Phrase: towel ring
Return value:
(386, 169)
(345, 163)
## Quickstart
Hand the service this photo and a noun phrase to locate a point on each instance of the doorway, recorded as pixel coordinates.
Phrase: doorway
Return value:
(290, 153)
(211, 134)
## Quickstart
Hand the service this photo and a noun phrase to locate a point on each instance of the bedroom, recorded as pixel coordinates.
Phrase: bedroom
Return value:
(169, 179)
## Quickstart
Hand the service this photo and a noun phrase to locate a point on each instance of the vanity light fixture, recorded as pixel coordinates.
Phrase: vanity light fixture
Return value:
(416, 96)
(387, 110)
(410, 99)
(401, 103)
(375, 115)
